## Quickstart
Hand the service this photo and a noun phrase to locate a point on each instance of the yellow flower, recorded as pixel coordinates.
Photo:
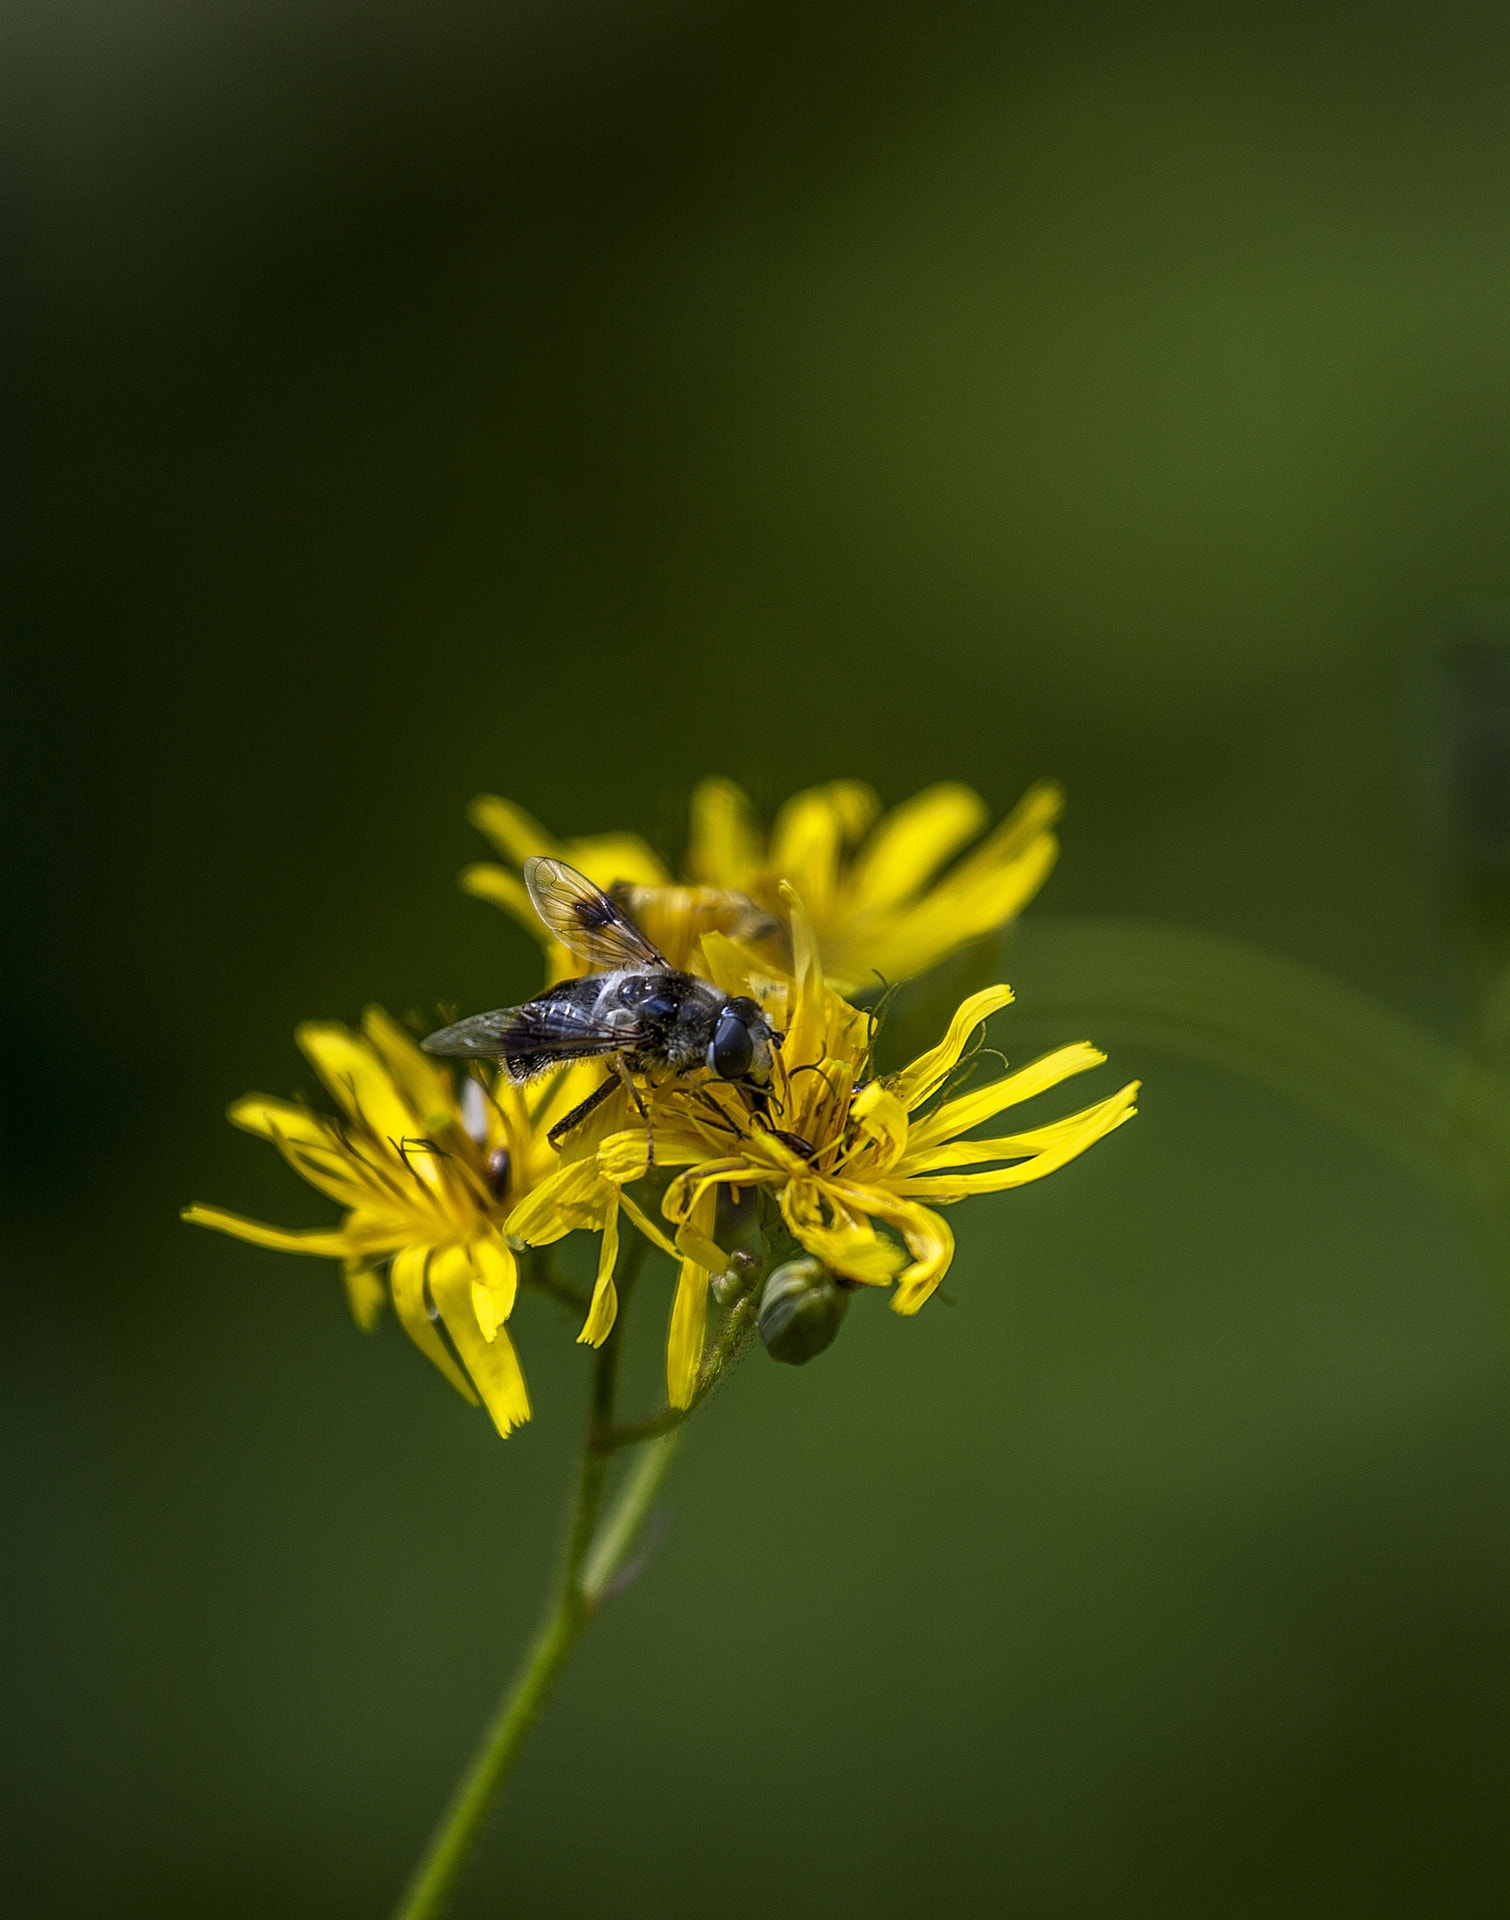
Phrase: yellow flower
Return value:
(427, 1181)
(578, 1195)
(841, 1152)
(608, 859)
(879, 890)
(671, 916)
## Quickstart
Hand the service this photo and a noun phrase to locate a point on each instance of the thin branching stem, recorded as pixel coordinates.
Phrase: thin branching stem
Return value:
(594, 1558)
(537, 1269)
(571, 1607)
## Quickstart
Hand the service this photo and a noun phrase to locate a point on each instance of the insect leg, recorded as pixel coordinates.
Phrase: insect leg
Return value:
(580, 1112)
(640, 1107)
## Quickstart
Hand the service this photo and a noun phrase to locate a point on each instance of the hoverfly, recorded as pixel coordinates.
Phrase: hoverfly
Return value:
(634, 1010)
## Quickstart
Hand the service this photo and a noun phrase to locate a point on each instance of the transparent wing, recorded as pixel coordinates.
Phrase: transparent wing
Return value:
(542, 1033)
(585, 920)
(481, 1038)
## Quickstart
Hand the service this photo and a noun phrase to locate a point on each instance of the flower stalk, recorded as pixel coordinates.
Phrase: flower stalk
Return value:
(594, 1564)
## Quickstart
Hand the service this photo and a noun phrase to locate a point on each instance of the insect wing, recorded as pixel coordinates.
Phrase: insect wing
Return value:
(483, 1037)
(585, 920)
(543, 1033)
(554, 1028)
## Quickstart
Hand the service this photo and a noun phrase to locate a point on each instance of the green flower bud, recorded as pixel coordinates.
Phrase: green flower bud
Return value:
(801, 1310)
(744, 1270)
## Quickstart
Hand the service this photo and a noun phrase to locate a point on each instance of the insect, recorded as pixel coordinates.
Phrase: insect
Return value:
(634, 1010)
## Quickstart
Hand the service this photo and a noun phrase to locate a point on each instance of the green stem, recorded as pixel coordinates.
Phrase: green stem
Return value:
(572, 1606)
(537, 1269)
(467, 1815)
(639, 1433)
(596, 1549)
(730, 1344)
(625, 1517)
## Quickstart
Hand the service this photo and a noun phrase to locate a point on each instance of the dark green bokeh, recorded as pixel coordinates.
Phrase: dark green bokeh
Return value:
(430, 399)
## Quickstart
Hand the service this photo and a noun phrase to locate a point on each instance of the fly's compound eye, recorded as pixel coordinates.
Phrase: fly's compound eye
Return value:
(731, 1052)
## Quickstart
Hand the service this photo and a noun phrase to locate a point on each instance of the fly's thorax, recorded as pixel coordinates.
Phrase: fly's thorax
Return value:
(694, 1024)
(673, 1013)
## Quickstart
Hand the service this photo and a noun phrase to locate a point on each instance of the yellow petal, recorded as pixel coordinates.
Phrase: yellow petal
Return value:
(407, 1280)
(737, 968)
(928, 1238)
(259, 1113)
(375, 1235)
(726, 963)
(812, 832)
(365, 1293)
(1002, 1146)
(689, 1314)
(426, 1087)
(625, 1156)
(690, 1193)
(358, 1081)
(484, 1310)
(982, 898)
(913, 1085)
(725, 843)
(515, 833)
(684, 1343)
(615, 859)
(956, 912)
(913, 841)
(574, 1196)
(485, 880)
(646, 1226)
(693, 1245)
(329, 1243)
(882, 1118)
(848, 1245)
(1095, 1123)
(676, 918)
(1027, 823)
(981, 1103)
(918, 937)
(605, 1299)
(313, 1147)
(537, 1109)
(806, 1038)
(492, 1364)
(494, 1274)
(695, 1206)
(680, 1140)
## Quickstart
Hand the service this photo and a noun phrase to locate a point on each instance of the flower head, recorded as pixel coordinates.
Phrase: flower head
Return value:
(849, 1159)
(578, 1194)
(439, 1187)
(880, 890)
(426, 1179)
(671, 916)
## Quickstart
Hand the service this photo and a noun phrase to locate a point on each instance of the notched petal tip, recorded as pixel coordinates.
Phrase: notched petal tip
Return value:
(601, 1315)
(366, 1294)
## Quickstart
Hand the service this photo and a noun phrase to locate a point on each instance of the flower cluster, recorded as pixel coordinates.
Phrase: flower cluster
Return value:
(445, 1184)
(879, 889)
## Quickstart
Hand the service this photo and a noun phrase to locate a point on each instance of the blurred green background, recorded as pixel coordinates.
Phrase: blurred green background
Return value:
(569, 401)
